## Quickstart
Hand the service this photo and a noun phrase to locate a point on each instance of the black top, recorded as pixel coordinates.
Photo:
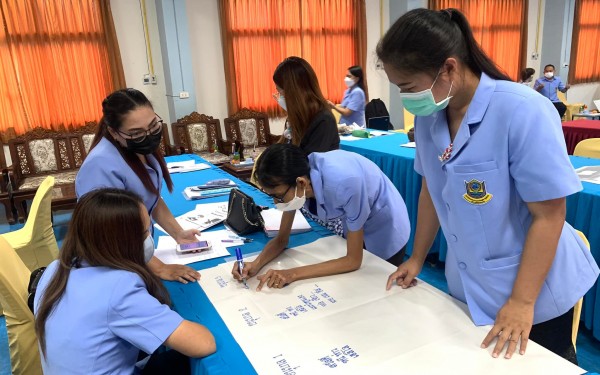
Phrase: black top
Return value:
(322, 134)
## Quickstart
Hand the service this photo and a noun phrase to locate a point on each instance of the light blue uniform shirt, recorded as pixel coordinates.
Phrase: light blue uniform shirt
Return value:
(105, 167)
(102, 321)
(351, 187)
(550, 87)
(354, 99)
(509, 150)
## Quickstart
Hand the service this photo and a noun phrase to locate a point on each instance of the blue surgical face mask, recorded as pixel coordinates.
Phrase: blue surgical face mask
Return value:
(148, 248)
(423, 103)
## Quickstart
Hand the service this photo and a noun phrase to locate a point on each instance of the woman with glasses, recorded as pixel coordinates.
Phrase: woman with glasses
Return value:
(335, 184)
(125, 155)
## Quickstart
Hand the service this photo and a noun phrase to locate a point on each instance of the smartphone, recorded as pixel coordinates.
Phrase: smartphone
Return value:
(194, 247)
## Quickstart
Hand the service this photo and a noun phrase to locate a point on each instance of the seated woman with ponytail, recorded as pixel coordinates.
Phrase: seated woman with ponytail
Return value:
(98, 305)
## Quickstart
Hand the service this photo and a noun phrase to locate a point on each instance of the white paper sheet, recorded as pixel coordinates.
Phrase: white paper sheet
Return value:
(349, 323)
(186, 166)
(409, 145)
(377, 133)
(350, 138)
(165, 248)
(203, 217)
(589, 174)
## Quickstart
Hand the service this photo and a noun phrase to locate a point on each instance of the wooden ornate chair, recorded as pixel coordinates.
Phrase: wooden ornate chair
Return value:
(43, 152)
(200, 134)
(6, 190)
(251, 129)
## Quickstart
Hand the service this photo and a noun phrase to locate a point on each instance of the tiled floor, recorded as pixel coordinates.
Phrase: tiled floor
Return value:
(588, 348)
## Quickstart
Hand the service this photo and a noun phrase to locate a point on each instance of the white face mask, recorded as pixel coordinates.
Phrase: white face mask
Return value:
(281, 102)
(423, 103)
(295, 204)
(349, 82)
(549, 75)
(148, 248)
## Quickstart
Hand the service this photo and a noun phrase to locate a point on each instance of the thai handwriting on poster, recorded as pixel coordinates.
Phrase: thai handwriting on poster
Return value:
(248, 318)
(338, 356)
(284, 366)
(318, 298)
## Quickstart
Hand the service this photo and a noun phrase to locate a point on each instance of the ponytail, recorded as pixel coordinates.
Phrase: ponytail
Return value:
(422, 39)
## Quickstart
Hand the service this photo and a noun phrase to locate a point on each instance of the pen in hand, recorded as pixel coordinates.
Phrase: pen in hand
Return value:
(240, 260)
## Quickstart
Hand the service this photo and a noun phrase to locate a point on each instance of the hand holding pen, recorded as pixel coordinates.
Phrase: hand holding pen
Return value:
(240, 263)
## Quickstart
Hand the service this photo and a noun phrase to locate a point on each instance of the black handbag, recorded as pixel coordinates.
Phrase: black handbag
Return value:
(243, 215)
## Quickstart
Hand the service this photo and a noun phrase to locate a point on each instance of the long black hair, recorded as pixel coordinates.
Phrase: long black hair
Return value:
(357, 71)
(281, 164)
(114, 108)
(422, 39)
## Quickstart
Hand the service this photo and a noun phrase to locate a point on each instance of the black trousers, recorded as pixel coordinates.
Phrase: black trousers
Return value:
(561, 108)
(397, 258)
(164, 361)
(555, 335)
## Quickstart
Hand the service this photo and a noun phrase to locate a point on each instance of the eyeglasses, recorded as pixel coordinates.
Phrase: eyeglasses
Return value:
(278, 199)
(139, 136)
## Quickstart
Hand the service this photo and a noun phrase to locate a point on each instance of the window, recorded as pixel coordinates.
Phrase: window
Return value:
(56, 63)
(499, 26)
(585, 49)
(259, 34)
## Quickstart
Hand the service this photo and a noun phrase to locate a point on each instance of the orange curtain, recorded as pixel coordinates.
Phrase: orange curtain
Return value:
(500, 27)
(585, 48)
(55, 68)
(258, 34)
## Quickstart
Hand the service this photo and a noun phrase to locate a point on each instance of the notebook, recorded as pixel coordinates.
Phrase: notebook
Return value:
(272, 219)
(597, 104)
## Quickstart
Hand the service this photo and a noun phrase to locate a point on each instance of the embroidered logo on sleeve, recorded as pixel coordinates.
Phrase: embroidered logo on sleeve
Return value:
(476, 193)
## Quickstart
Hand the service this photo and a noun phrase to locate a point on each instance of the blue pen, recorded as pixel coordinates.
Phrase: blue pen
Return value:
(240, 260)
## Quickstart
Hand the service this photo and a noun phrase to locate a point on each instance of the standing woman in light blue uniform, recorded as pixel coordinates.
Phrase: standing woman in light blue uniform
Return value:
(495, 177)
(125, 155)
(353, 105)
(335, 184)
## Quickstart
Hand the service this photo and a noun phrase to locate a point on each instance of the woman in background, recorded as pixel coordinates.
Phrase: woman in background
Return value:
(527, 76)
(353, 105)
(125, 155)
(310, 124)
(98, 305)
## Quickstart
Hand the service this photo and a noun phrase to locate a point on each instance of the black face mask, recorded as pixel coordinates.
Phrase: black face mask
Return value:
(147, 146)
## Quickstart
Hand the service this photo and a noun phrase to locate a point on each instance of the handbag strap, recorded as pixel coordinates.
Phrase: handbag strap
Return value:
(234, 194)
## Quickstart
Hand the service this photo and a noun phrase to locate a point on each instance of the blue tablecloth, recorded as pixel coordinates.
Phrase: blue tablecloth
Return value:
(190, 300)
(583, 208)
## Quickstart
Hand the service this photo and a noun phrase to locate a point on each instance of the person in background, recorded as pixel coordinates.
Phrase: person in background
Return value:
(495, 177)
(310, 124)
(527, 76)
(335, 184)
(548, 85)
(353, 104)
(98, 305)
(125, 154)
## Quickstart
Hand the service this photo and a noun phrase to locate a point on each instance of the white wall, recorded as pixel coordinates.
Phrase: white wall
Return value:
(130, 33)
(376, 78)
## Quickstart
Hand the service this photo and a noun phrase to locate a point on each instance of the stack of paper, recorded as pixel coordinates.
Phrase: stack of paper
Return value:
(272, 219)
(186, 166)
(203, 217)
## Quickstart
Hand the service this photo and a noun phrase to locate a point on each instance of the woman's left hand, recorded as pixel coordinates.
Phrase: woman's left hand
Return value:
(275, 279)
(187, 236)
(178, 272)
(513, 321)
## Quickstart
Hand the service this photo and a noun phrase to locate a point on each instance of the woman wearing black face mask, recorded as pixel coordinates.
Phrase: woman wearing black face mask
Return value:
(125, 155)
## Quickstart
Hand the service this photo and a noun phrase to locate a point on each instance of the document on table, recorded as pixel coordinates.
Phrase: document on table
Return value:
(589, 174)
(203, 217)
(409, 145)
(186, 166)
(349, 323)
(165, 248)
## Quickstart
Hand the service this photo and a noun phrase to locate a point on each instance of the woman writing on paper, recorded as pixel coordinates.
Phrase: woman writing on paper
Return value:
(494, 180)
(98, 305)
(335, 184)
(125, 155)
(353, 104)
